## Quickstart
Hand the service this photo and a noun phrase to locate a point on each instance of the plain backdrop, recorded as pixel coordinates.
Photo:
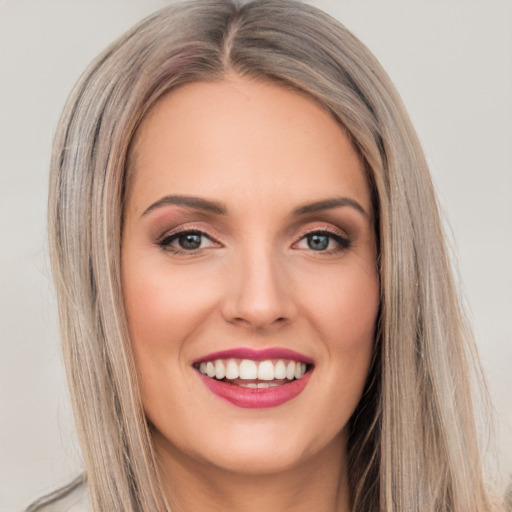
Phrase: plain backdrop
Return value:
(451, 61)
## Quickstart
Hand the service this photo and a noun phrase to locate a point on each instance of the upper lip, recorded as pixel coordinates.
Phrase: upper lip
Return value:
(256, 355)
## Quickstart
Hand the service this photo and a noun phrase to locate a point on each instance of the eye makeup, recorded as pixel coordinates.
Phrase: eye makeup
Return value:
(183, 231)
(187, 241)
(323, 240)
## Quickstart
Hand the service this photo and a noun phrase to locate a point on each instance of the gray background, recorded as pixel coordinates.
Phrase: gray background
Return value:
(451, 61)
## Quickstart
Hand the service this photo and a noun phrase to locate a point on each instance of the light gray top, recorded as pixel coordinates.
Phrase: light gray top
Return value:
(72, 498)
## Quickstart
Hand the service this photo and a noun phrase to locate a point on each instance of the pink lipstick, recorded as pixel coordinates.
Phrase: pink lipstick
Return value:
(256, 355)
(251, 378)
(256, 398)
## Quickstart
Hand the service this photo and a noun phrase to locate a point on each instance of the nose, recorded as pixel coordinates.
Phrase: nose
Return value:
(259, 294)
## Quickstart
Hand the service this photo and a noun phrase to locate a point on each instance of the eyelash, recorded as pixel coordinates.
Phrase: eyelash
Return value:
(343, 243)
(165, 242)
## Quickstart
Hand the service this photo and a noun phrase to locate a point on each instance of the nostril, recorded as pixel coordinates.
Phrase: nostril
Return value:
(258, 325)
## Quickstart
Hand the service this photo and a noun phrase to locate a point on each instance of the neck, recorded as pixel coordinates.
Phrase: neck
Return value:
(317, 483)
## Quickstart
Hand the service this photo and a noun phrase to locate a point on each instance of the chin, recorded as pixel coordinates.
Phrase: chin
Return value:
(259, 458)
(256, 449)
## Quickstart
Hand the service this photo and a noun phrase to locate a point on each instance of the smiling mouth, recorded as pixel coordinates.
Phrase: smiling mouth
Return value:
(248, 373)
(255, 379)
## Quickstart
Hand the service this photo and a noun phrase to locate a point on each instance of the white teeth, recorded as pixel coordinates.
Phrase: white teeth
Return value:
(266, 370)
(259, 385)
(210, 369)
(220, 369)
(232, 370)
(280, 370)
(248, 369)
(290, 370)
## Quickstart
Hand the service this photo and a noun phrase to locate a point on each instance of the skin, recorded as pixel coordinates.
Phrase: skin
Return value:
(261, 152)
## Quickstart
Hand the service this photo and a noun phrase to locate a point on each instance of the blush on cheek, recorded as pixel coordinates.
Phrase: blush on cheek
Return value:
(158, 309)
(354, 306)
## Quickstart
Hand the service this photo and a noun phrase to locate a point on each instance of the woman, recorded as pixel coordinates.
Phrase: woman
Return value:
(238, 198)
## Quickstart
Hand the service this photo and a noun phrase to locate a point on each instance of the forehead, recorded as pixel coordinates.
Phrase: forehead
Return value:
(247, 138)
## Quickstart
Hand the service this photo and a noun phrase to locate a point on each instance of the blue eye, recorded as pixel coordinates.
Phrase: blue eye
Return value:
(323, 241)
(318, 242)
(186, 241)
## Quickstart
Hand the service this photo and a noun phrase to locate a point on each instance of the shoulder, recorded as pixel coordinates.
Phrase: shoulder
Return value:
(74, 497)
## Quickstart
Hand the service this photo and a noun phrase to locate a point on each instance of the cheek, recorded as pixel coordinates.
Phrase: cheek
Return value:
(165, 310)
(342, 306)
(345, 307)
(156, 298)
(357, 303)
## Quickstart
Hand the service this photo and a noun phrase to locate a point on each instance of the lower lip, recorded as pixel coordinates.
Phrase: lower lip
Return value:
(250, 398)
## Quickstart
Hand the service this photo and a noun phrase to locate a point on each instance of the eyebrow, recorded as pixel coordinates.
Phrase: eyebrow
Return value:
(328, 204)
(192, 202)
(199, 203)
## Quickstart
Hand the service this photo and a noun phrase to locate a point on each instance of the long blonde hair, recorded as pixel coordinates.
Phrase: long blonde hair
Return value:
(413, 444)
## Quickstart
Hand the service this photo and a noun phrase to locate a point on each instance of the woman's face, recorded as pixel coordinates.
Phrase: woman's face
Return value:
(248, 259)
